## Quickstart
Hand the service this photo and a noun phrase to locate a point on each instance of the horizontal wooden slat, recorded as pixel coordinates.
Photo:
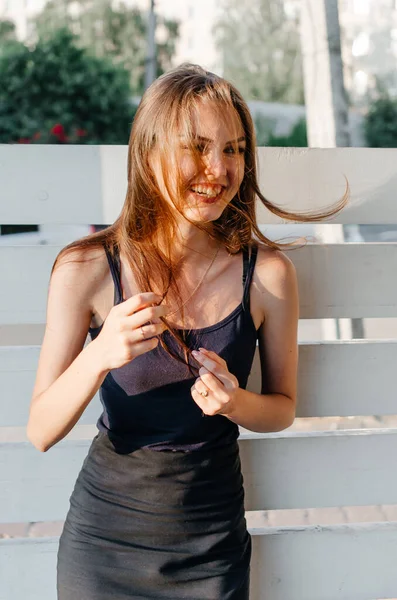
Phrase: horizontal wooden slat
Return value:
(337, 280)
(319, 469)
(347, 378)
(49, 184)
(342, 378)
(18, 365)
(346, 280)
(339, 562)
(344, 562)
(283, 470)
(87, 184)
(314, 178)
(365, 388)
(28, 569)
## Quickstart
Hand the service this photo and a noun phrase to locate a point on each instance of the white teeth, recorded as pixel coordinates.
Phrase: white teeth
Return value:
(211, 192)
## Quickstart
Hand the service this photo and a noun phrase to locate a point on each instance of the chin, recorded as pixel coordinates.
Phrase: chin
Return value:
(206, 214)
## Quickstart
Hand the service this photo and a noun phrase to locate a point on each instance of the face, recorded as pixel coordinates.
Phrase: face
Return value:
(212, 184)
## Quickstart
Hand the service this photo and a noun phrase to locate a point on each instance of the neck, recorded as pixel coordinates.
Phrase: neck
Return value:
(189, 242)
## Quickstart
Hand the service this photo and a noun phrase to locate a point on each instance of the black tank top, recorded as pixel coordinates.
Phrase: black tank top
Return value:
(147, 402)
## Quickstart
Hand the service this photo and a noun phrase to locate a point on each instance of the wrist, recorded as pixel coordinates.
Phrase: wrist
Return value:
(232, 407)
(97, 358)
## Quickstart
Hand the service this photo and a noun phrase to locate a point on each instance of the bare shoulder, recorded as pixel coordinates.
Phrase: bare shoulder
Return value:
(85, 267)
(78, 277)
(274, 270)
(274, 290)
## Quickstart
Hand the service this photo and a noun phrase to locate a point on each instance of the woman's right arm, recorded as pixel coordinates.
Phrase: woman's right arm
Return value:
(69, 374)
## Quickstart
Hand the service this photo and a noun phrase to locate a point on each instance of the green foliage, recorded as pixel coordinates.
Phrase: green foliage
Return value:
(265, 126)
(296, 139)
(263, 129)
(261, 50)
(57, 92)
(118, 32)
(380, 125)
(7, 32)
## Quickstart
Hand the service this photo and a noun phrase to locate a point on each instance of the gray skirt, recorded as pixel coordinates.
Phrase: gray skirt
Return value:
(148, 524)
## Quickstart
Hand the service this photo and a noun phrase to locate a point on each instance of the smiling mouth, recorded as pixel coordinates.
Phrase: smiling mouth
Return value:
(208, 193)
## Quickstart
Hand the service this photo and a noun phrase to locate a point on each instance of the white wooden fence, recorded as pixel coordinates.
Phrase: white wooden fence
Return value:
(355, 561)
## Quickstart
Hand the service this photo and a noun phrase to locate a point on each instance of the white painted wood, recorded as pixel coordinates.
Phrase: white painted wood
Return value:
(326, 386)
(113, 179)
(342, 378)
(308, 179)
(337, 280)
(346, 280)
(319, 469)
(344, 562)
(50, 184)
(25, 275)
(28, 569)
(339, 562)
(18, 365)
(283, 470)
(347, 378)
(87, 184)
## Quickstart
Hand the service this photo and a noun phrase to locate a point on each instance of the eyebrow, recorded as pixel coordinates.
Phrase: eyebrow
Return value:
(205, 139)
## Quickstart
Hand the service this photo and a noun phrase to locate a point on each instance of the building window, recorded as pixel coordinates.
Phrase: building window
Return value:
(361, 44)
(9, 229)
(361, 7)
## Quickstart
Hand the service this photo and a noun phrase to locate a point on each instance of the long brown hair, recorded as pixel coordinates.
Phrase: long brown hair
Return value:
(165, 112)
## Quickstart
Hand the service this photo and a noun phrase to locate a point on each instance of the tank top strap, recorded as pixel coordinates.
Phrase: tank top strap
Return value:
(114, 265)
(248, 271)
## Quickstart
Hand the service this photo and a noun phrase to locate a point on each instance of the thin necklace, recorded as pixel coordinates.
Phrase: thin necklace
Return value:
(197, 286)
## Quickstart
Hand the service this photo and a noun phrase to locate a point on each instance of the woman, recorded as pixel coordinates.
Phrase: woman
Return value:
(175, 295)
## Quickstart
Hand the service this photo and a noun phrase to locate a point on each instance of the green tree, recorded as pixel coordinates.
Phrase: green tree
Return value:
(57, 92)
(265, 136)
(118, 32)
(380, 125)
(7, 31)
(260, 46)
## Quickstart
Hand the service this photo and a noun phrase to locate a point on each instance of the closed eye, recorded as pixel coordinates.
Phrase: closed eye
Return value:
(201, 148)
(233, 150)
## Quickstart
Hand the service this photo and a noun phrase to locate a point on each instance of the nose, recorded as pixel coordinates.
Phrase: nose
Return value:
(215, 165)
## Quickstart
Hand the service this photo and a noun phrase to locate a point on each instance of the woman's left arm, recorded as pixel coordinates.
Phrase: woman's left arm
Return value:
(274, 408)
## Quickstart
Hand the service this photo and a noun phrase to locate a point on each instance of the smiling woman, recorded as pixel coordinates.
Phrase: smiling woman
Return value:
(158, 507)
(210, 165)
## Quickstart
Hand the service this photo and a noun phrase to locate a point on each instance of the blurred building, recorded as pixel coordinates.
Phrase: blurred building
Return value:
(197, 19)
(368, 28)
(20, 11)
(369, 38)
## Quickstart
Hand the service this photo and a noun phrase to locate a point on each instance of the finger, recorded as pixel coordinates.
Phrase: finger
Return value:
(217, 388)
(201, 388)
(145, 346)
(146, 332)
(201, 402)
(213, 355)
(146, 315)
(215, 385)
(215, 368)
(139, 301)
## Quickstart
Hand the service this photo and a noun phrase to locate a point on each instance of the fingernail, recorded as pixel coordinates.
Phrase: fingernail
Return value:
(195, 353)
(203, 350)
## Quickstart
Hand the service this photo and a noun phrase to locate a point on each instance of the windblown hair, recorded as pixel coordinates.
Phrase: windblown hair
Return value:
(165, 114)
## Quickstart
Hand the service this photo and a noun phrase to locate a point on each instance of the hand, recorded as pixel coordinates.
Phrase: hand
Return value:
(216, 388)
(130, 329)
